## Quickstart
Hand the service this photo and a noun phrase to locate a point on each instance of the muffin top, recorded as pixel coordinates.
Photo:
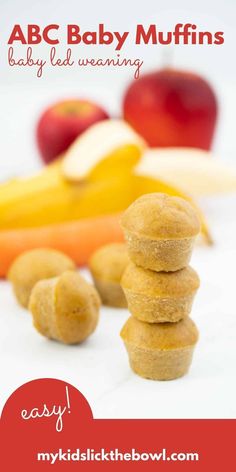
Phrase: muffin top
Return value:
(160, 336)
(109, 262)
(160, 284)
(65, 308)
(37, 264)
(74, 295)
(160, 216)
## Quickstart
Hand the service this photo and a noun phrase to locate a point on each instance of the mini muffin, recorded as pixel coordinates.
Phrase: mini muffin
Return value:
(35, 265)
(156, 297)
(160, 231)
(161, 351)
(65, 308)
(107, 266)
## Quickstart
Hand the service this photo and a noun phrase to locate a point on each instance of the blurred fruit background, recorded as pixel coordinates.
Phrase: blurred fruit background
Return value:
(24, 97)
(62, 123)
(172, 107)
(83, 144)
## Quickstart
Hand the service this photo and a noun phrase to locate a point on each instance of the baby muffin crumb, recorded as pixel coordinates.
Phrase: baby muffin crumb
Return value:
(35, 265)
(157, 297)
(160, 231)
(65, 308)
(107, 265)
(160, 351)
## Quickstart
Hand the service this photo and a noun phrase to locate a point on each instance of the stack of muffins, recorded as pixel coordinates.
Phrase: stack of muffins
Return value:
(160, 285)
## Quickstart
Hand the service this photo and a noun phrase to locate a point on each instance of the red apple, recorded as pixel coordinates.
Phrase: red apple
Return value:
(61, 123)
(172, 108)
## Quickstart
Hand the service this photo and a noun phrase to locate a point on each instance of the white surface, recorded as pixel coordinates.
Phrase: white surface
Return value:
(99, 367)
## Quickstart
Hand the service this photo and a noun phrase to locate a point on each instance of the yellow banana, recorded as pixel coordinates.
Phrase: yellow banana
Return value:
(48, 198)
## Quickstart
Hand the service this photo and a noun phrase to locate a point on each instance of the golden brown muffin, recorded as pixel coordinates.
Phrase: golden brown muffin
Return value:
(65, 308)
(35, 265)
(161, 351)
(160, 231)
(107, 266)
(157, 297)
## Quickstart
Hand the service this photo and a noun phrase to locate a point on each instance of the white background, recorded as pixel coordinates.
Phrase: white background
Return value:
(99, 367)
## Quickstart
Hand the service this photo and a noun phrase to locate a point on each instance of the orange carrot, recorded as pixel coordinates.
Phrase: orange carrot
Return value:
(79, 239)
